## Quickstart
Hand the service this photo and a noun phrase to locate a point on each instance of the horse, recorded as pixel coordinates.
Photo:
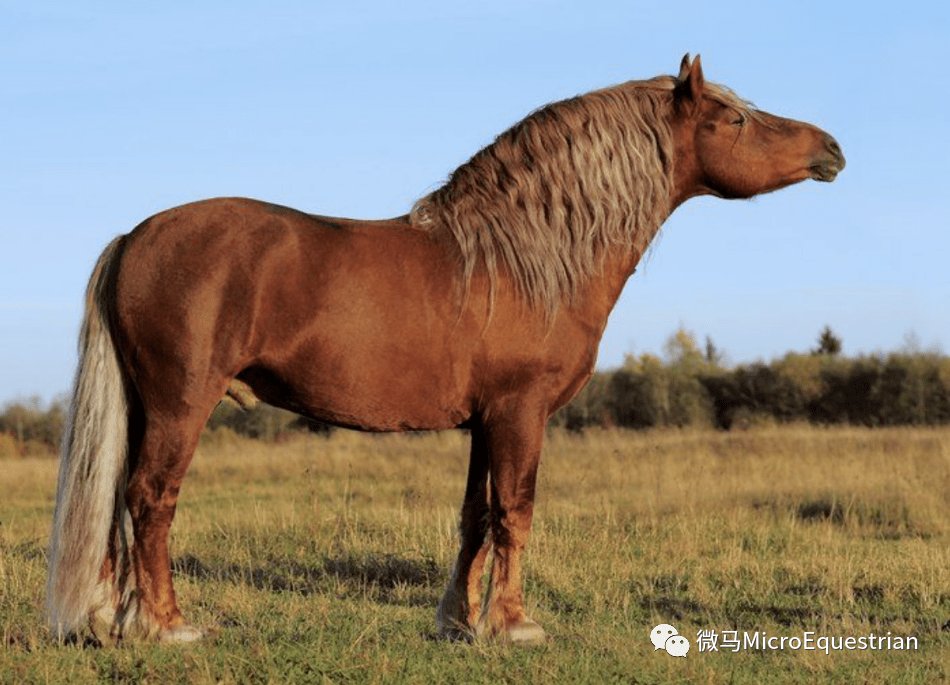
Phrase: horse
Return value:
(482, 309)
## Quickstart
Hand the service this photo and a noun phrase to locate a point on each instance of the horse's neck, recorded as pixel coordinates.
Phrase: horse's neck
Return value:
(598, 297)
(621, 265)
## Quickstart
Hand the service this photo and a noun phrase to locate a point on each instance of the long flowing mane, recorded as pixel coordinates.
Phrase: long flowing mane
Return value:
(554, 193)
(550, 197)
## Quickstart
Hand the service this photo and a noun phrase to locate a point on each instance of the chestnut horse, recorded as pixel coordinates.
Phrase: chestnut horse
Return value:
(482, 308)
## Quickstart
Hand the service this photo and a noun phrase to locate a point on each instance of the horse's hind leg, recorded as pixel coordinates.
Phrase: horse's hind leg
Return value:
(460, 607)
(168, 443)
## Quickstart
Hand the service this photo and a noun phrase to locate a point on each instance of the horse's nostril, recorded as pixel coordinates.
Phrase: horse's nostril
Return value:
(835, 150)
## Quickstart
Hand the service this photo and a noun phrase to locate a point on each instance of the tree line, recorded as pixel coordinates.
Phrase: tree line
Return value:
(687, 386)
(691, 387)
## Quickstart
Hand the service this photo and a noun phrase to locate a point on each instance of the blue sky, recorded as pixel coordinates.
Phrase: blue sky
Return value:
(110, 112)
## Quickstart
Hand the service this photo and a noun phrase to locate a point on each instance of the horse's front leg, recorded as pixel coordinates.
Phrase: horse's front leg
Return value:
(460, 607)
(514, 440)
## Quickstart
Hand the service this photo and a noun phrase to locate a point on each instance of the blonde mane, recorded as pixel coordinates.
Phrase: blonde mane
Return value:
(554, 193)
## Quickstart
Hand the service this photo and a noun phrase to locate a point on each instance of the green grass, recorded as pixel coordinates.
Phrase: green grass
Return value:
(323, 560)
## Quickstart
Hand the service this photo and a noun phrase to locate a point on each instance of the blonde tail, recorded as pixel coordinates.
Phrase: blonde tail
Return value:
(92, 474)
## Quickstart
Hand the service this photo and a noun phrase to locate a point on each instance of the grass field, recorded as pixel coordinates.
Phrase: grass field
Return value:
(322, 560)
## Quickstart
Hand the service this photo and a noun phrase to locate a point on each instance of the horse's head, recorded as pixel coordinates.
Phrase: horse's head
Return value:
(726, 148)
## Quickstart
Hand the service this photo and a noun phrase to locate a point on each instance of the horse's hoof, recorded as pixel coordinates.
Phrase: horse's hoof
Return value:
(527, 633)
(181, 634)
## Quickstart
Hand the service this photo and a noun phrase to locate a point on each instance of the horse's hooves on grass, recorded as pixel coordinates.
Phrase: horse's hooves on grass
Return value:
(181, 634)
(527, 633)
(524, 633)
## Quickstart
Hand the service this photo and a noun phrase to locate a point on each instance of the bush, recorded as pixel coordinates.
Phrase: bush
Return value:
(757, 389)
(588, 408)
(912, 391)
(32, 429)
(648, 393)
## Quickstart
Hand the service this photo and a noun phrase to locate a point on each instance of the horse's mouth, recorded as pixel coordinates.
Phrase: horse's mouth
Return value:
(826, 172)
(831, 165)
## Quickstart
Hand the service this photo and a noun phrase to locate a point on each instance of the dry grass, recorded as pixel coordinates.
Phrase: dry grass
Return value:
(322, 560)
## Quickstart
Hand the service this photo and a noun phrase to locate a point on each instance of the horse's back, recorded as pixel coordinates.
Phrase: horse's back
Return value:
(349, 321)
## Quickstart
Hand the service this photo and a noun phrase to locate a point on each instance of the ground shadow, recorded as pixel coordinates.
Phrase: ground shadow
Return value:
(376, 576)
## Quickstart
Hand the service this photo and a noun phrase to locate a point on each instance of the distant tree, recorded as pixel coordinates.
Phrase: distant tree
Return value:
(681, 350)
(33, 428)
(828, 343)
(912, 345)
(714, 357)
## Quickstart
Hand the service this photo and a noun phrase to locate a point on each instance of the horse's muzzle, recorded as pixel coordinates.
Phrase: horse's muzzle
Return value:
(830, 162)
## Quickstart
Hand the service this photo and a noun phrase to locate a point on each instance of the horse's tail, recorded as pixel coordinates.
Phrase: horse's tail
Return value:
(92, 470)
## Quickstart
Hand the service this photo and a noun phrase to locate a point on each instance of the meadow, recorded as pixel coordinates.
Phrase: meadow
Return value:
(323, 559)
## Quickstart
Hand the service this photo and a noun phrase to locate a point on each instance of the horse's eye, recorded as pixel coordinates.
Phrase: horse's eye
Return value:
(739, 120)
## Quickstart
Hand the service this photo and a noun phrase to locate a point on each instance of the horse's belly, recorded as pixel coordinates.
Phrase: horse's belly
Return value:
(368, 388)
(391, 403)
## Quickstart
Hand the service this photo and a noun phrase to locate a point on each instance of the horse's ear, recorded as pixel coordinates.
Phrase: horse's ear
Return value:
(684, 69)
(690, 82)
